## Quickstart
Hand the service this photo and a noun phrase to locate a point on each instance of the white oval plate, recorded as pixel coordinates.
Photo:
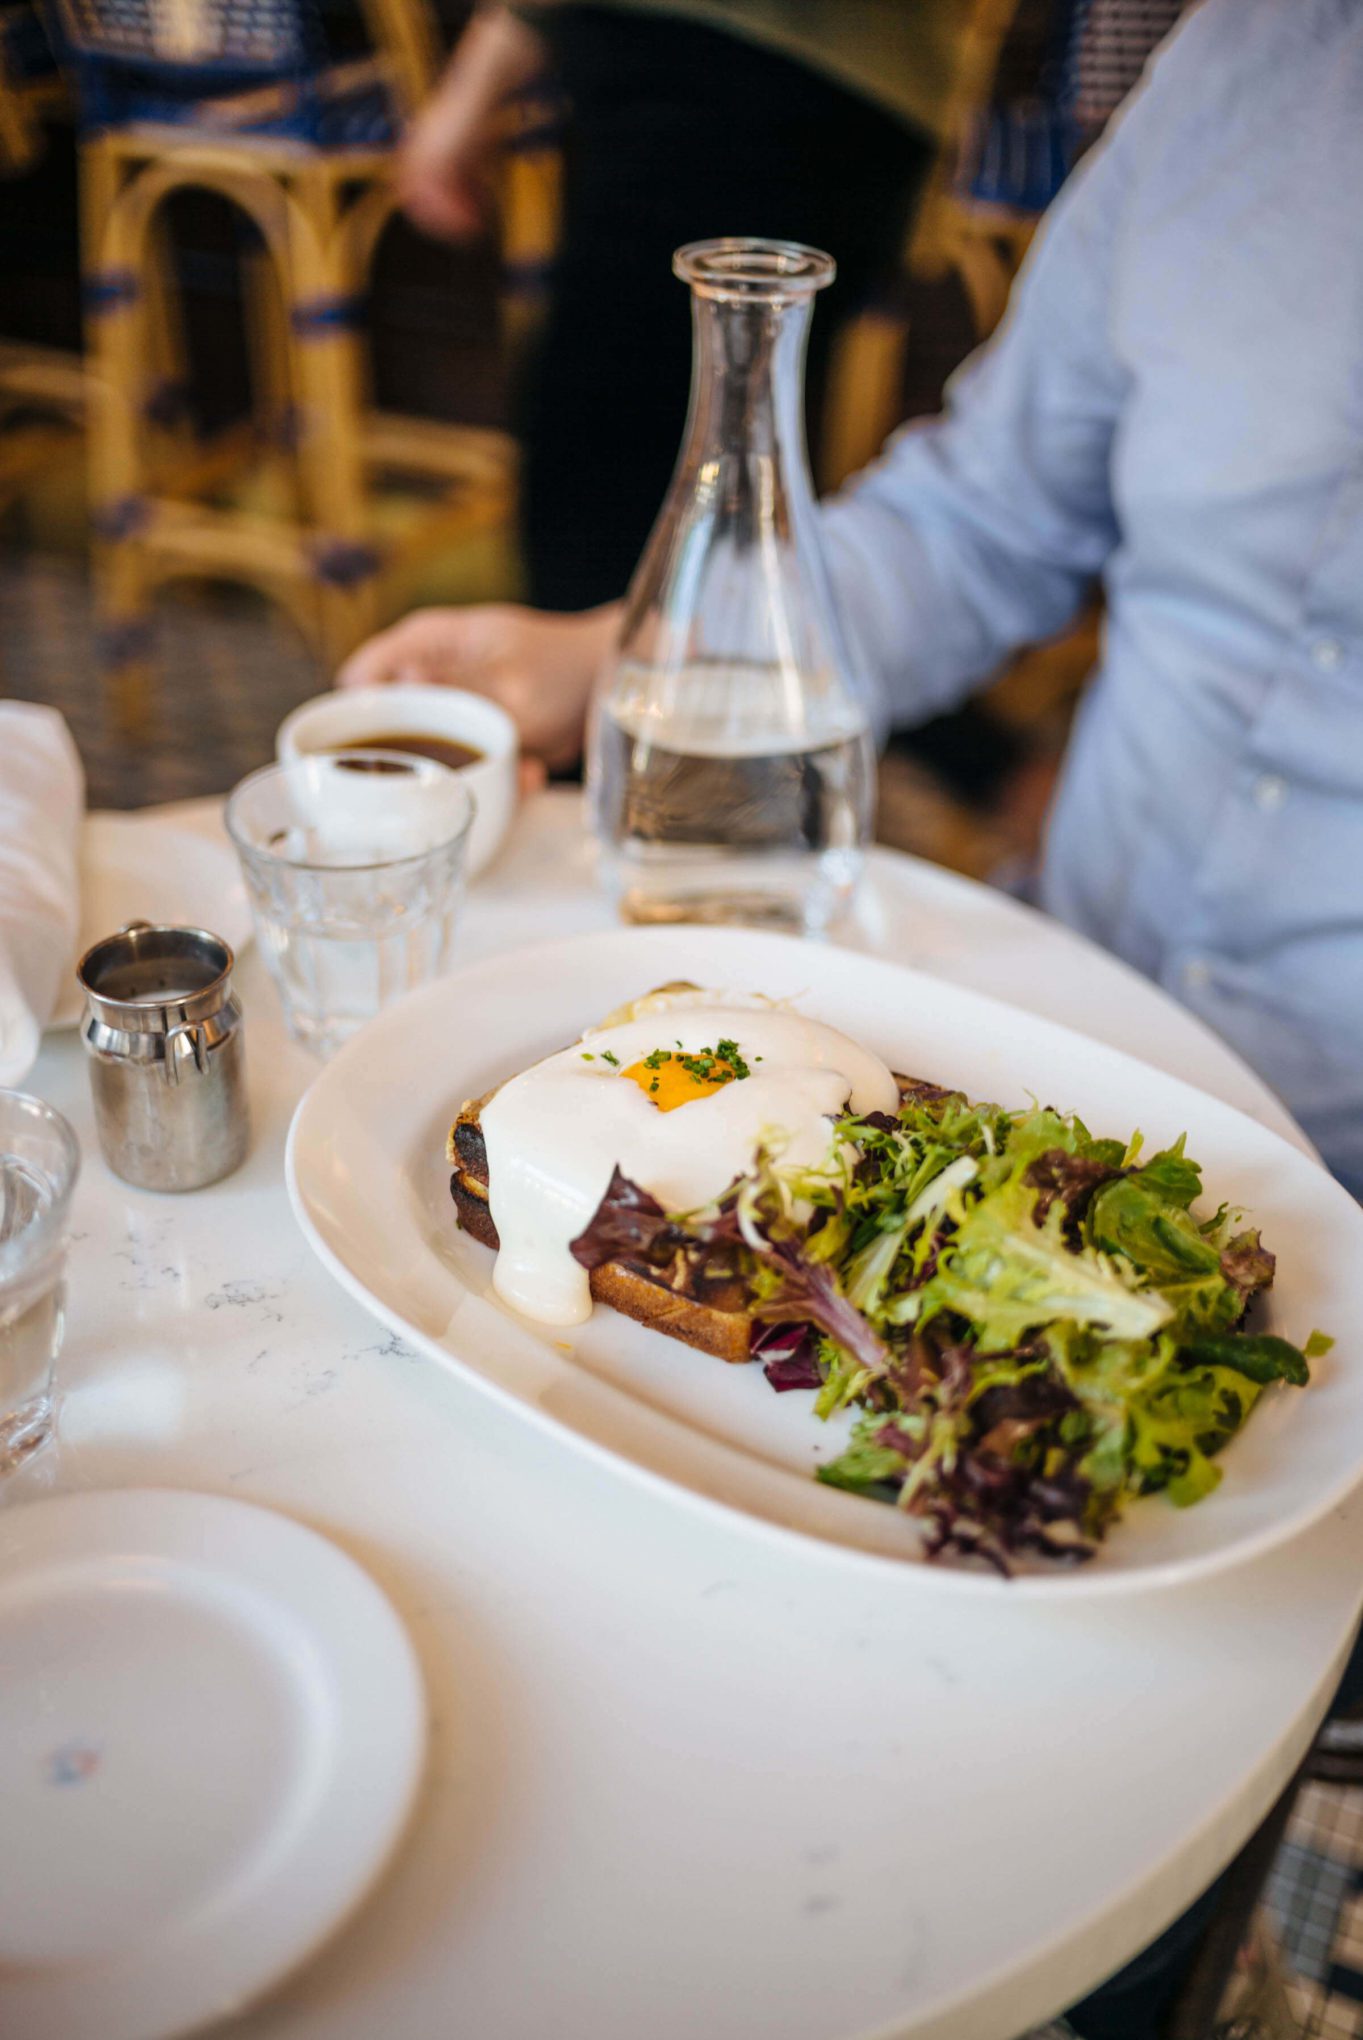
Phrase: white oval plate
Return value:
(138, 868)
(212, 1725)
(369, 1183)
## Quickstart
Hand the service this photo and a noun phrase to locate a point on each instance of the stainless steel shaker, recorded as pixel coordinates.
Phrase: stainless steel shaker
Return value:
(163, 1032)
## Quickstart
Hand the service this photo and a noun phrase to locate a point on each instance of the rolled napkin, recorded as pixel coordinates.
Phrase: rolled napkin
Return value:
(42, 800)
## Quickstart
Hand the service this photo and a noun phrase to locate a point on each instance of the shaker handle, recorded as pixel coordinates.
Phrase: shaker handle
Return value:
(184, 1045)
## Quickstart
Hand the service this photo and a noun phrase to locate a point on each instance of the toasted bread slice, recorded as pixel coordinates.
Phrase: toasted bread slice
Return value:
(708, 1313)
(701, 1311)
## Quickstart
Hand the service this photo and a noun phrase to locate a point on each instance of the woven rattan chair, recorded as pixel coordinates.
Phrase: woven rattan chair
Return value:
(245, 98)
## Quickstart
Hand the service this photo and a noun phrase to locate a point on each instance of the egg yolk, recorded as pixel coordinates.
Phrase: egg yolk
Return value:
(668, 1080)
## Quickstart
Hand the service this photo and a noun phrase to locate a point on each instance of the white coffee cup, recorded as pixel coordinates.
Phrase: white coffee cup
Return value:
(357, 715)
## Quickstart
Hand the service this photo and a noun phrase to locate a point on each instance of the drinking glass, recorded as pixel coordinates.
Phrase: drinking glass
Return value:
(39, 1163)
(354, 863)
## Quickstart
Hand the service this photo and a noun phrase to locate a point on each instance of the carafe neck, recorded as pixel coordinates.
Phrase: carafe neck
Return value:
(745, 437)
(747, 391)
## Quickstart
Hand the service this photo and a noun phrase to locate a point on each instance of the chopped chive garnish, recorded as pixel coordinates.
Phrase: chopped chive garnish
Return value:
(731, 1054)
(722, 1065)
(613, 1060)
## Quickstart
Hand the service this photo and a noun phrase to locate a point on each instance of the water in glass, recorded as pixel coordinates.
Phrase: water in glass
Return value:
(354, 864)
(31, 1309)
(349, 950)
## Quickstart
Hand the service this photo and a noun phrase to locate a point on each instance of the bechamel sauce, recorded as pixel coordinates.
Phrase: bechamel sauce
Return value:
(555, 1132)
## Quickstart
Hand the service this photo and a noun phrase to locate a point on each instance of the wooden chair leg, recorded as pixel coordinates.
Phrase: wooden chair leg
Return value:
(166, 420)
(330, 380)
(267, 338)
(863, 400)
(125, 634)
(343, 621)
(113, 281)
(530, 205)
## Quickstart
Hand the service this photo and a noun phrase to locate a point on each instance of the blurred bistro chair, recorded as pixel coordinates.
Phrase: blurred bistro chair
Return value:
(249, 99)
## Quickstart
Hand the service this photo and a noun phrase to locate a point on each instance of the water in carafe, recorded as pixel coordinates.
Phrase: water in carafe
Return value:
(710, 823)
(731, 772)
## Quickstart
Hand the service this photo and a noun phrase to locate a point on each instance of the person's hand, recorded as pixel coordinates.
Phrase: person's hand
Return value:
(444, 174)
(446, 163)
(538, 667)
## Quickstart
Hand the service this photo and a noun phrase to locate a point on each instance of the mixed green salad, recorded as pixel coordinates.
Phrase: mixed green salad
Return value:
(1033, 1325)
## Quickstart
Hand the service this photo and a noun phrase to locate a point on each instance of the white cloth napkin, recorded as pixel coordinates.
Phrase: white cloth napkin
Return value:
(42, 800)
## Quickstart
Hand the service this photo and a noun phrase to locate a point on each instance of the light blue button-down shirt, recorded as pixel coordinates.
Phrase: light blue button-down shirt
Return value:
(1175, 402)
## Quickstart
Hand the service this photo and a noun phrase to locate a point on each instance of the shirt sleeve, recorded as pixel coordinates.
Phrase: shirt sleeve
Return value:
(981, 531)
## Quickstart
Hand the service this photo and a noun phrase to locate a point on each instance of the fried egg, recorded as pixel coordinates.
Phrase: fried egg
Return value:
(680, 1096)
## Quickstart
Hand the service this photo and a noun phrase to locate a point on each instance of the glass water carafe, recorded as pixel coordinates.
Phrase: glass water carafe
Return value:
(731, 770)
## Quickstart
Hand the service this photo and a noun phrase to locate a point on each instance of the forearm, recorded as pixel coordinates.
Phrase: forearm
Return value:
(497, 54)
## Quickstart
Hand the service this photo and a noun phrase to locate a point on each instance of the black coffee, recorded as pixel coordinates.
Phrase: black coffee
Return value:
(413, 744)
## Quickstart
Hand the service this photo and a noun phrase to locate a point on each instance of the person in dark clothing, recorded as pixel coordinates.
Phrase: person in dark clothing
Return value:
(677, 129)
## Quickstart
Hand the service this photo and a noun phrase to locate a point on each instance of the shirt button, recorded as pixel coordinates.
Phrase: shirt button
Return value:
(1327, 653)
(1197, 974)
(1269, 792)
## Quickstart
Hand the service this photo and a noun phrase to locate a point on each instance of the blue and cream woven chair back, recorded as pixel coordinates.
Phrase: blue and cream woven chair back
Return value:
(1022, 145)
(262, 67)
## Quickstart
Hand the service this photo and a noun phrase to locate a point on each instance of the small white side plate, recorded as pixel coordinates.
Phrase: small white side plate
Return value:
(136, 868)
(212, 1726)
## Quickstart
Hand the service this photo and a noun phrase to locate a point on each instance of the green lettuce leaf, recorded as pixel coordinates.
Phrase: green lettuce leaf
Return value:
(1259, 1356)
(1009, 1277)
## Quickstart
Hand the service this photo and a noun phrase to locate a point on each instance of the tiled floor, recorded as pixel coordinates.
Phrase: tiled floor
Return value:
(1315, 1904)
(228, 672)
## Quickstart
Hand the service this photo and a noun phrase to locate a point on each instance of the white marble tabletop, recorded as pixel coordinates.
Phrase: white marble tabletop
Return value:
(683, 1782)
